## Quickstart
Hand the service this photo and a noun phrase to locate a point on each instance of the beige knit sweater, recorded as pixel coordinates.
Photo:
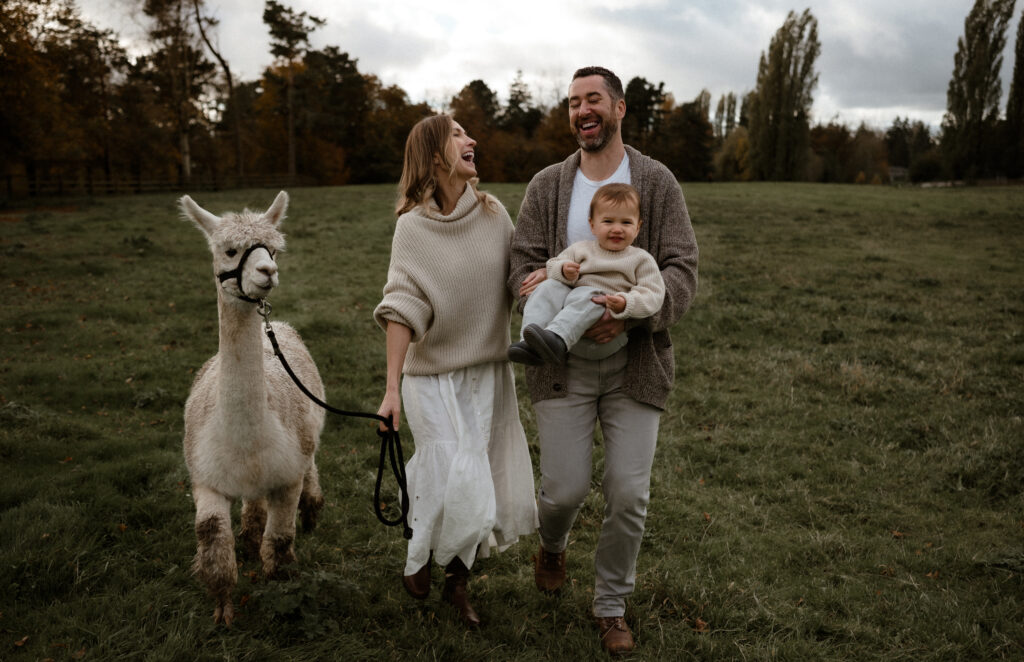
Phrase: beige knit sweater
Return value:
(446, 282)
(631, 273)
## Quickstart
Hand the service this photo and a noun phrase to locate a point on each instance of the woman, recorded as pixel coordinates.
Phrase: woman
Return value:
(446, 312)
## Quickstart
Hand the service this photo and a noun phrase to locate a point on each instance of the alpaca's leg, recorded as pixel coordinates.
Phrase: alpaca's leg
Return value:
(215, 553)
(254, 521)
(311, 501)
(278, 547)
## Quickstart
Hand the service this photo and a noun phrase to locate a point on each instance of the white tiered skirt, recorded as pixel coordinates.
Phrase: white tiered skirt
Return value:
(470, 479)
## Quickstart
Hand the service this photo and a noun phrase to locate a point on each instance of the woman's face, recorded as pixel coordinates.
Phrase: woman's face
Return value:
(461, 153)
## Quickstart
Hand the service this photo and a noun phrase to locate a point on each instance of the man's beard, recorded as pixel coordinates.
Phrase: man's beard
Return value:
(608, 128)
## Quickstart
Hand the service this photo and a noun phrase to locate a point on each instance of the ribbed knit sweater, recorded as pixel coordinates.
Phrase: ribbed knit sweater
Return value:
(631, 273)
(666, 234)
(446, 282)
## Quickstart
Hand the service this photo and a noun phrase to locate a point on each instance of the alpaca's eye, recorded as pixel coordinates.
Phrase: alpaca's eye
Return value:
(231, 252)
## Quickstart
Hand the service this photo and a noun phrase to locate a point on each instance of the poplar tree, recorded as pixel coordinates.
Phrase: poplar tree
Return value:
(1015, 109)
(972, 101)
(289, 41)
(781, 103)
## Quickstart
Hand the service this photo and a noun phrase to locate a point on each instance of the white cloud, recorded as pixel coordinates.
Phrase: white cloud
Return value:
(878, 56)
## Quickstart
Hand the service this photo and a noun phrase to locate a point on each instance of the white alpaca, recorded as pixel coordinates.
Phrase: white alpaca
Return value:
(250, 434)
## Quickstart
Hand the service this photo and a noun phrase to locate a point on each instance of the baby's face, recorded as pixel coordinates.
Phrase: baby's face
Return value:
(615, 226)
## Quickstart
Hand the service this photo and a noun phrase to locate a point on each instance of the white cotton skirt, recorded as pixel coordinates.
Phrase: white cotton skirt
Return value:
(470, 479)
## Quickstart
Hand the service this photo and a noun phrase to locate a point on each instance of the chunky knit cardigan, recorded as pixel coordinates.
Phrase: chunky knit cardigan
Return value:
(446, 282)
(666, 234)
(631, 273)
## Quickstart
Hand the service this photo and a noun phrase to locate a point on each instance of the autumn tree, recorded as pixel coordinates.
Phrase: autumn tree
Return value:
(520, 117)
(289, 41)
(685, 140)
(732, 161)
(644, 108)
(205, 24)
(57, 96)
(553, 138)
(868, 162)
(831, 146)
(390, 119)
(781, 105)
(477, 109)
(178, 71)
(1015, 109)
(972, 100)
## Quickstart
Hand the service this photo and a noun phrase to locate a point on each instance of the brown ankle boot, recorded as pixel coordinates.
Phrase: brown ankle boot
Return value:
(456, 576)
(549, 570)
(418, 584)
(615, 635)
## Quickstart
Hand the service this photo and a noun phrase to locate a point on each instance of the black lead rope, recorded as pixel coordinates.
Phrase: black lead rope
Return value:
(390, 444)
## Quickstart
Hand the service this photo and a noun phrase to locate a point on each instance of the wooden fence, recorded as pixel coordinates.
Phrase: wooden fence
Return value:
(20, 186)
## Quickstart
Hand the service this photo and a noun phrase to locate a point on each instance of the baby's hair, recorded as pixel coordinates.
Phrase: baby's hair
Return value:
(615, 194)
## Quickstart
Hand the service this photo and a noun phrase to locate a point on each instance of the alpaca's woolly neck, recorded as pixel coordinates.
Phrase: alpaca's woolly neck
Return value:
(241, 384)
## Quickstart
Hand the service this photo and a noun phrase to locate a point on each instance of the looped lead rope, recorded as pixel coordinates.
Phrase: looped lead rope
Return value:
(390, 443)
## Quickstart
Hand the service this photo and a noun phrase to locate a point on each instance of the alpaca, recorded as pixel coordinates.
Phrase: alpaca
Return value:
(250, 434)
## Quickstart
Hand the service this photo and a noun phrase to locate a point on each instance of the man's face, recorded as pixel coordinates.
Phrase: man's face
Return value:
(593, 114)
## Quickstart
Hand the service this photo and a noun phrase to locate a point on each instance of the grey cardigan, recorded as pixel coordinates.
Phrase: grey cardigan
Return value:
(666, 234)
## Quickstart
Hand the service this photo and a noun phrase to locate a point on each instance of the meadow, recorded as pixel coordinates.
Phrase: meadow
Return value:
(840, 471)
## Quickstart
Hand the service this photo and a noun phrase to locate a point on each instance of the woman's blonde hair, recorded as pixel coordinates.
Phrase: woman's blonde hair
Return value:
(428, 138)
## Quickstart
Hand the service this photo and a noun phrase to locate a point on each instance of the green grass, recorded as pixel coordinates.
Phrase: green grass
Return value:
(840, 473)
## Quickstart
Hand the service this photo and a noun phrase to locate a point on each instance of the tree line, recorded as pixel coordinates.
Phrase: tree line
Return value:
(74, 107)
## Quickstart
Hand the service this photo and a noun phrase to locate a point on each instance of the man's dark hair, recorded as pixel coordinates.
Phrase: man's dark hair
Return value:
(611, 81)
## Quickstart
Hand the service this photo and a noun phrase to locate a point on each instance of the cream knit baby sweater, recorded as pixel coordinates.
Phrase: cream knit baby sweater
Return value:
(446, 282)
(631, 273)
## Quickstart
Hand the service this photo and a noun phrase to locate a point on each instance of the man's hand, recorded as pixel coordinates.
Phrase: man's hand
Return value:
(607, 328)
(532, 280)
(571, 270)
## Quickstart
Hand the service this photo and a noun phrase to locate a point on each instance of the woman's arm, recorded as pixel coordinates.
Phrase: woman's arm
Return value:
(397, 344)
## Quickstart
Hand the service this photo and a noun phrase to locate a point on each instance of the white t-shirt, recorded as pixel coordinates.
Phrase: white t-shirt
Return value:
(583, 190)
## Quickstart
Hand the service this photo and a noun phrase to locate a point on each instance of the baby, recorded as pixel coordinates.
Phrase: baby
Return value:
(561, 309)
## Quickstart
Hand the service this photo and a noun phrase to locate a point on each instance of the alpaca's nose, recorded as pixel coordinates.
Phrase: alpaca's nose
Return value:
(268, 270)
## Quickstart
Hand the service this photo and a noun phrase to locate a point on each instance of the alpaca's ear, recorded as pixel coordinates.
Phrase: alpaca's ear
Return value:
(206, 221)
(276, 212)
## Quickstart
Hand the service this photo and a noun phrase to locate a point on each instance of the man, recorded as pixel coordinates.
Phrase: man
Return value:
(626, 391)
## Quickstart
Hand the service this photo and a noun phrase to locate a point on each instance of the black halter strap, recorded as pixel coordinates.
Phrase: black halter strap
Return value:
(236, 273)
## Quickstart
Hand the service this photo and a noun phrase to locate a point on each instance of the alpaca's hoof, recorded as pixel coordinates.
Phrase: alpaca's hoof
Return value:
(309, 509)
(250, 545)
(280, 574)
(224, 613)
(277, 552)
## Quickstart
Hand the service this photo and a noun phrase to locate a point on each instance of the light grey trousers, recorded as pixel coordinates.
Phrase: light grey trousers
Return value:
(566, 431)
(569, 312)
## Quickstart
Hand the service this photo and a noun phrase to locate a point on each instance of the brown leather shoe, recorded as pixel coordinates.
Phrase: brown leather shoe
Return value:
(549, 570)
(456, 576)
(418, 583)
(615, 635)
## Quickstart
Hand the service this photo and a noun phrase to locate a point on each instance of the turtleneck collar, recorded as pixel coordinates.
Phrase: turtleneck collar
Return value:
(466, 204)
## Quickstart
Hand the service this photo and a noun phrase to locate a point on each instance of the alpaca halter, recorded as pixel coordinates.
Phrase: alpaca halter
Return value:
(236, 273)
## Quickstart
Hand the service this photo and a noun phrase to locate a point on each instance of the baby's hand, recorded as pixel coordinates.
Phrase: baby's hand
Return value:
(571, 270)
(615, 302)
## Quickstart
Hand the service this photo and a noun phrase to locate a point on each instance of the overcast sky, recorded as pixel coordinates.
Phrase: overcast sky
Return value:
(879, 58)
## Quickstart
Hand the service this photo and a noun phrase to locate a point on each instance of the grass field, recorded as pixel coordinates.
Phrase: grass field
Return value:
(840, 473)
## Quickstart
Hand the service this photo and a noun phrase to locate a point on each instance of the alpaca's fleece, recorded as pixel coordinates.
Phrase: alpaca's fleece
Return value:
(250, 433)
